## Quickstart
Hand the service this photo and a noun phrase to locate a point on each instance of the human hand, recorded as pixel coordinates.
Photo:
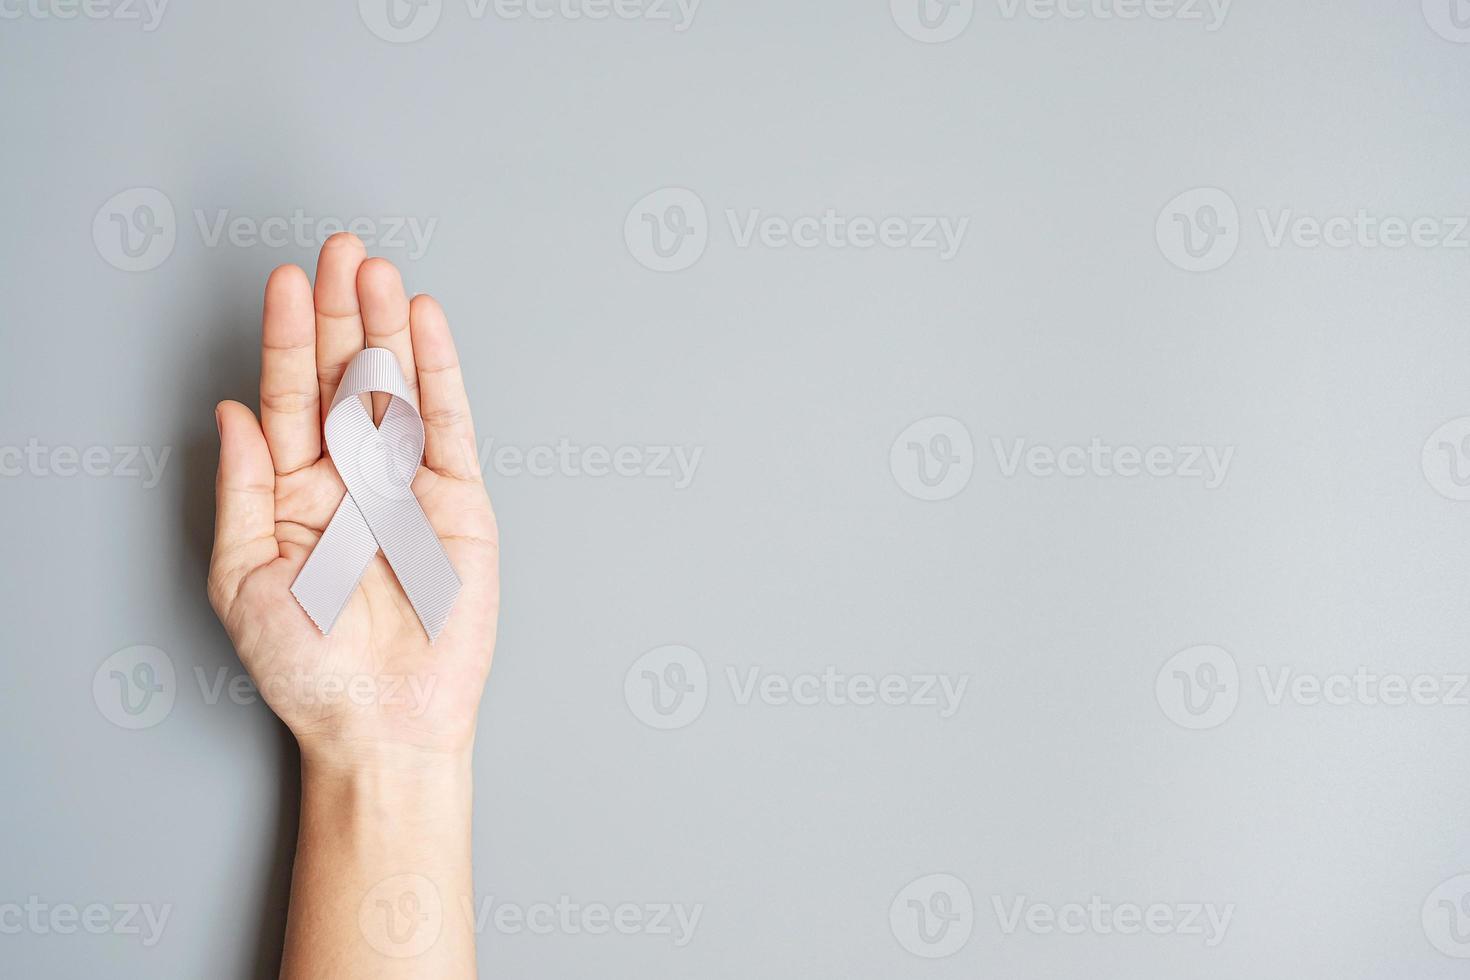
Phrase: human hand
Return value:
(374, 693)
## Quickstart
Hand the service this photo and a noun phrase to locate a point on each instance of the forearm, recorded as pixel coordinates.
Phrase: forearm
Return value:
(382, 872)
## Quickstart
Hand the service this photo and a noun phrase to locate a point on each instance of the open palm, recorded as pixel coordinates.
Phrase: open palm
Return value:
(374, 687)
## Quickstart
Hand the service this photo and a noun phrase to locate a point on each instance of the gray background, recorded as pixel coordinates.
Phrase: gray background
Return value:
(796, 547)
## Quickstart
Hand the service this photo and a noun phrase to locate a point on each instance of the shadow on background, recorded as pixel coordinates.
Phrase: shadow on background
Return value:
(228, 355)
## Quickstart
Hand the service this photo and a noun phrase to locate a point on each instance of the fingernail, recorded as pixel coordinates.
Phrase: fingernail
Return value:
(218, 426)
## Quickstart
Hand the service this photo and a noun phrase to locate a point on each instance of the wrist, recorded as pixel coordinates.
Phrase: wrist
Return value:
(383, 760)
(410, 810)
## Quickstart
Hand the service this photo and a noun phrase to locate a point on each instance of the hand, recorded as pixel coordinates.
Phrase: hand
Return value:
(374, 693)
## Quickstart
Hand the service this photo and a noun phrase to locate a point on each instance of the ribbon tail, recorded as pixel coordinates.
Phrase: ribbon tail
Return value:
(417, 557)
(332, 571)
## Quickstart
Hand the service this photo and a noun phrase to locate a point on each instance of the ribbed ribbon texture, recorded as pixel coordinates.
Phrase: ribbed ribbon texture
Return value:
(377, 463)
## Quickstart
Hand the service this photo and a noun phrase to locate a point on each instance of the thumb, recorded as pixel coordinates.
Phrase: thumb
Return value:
(245, 500)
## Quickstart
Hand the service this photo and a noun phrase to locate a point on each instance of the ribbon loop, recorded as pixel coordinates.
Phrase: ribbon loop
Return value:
(379, 510)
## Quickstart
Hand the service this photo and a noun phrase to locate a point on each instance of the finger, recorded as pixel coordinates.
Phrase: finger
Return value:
(245, 498)
(385, 320)
(449, 431)
(338, 320)
(289, 394)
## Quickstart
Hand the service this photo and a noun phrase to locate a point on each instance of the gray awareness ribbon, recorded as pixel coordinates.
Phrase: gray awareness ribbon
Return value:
(377, 463)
